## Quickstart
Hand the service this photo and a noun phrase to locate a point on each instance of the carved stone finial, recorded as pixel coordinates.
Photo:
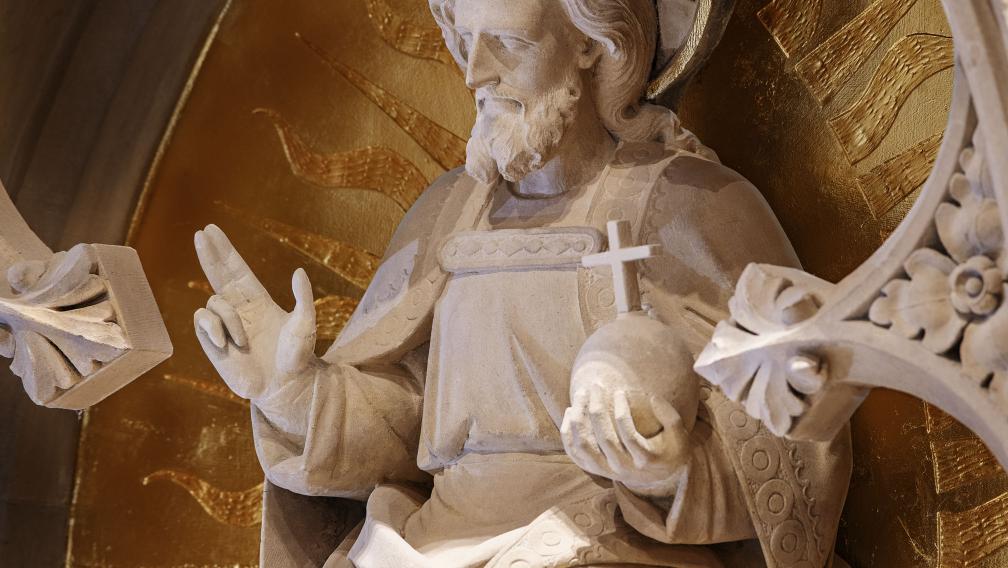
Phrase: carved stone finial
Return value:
(79, 324)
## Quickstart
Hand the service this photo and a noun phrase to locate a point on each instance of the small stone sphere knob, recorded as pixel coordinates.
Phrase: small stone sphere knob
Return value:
(645, 358)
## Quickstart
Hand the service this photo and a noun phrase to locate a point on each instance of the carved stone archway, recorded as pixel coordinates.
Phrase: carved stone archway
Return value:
(925, 314)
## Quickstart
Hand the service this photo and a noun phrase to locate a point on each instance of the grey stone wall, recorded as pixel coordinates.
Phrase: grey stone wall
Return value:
(87, 88)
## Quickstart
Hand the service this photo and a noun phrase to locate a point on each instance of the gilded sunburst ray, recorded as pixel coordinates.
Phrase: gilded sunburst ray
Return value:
(441, 144)
(332, 313)
(234, 508)
(834, 62)
(201, 285)
(406, 35)
(208, 387)
(893, 180)
(936, 420)
(960, 462)
(907, 64)
(373, 168)
(969, 537)
(355, 265)
(792, 23)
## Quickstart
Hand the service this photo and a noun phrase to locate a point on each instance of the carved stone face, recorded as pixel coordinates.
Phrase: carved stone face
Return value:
(524, 59)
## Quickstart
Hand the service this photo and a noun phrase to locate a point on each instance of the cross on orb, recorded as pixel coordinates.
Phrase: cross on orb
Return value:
(622, 257)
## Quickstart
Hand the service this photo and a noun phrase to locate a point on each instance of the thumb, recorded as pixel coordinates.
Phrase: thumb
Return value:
(674, 433)
(296, 344)
(666, 414)
(304, 307)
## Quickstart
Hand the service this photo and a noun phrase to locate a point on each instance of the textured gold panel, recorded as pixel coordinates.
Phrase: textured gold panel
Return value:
(889, 183)
(833, 63)
(972, 536)
(792, 23)
(200, 508)
(863, 126)
(377, 169)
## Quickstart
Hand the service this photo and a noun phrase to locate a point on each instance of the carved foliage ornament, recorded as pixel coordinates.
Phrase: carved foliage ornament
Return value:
(951, 297)
(79, 324)
(60, 324)
(925, 314)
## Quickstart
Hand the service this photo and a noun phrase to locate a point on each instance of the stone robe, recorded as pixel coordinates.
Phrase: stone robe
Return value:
(457, 365)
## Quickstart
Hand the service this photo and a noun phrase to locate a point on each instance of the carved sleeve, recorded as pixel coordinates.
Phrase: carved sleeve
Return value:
(688, 287)
(363, 427)
(708, 505)
(364, 404)
(359, 418)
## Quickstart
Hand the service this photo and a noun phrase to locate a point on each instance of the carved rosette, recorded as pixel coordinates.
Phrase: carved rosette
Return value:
(925, 314)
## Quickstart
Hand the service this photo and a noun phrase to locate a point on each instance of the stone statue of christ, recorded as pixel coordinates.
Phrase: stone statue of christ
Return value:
(448, 403)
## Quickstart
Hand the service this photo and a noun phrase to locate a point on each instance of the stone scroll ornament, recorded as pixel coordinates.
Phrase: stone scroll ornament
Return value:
(79, 325)
(927, 314)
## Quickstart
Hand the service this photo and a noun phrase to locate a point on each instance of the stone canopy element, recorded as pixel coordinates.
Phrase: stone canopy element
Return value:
(80, 324)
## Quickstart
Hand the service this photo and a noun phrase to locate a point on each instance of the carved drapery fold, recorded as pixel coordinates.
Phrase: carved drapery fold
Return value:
(925, 314)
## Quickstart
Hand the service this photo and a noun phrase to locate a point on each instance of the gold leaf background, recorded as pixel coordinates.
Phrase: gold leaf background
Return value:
(167, 474)
(310, 127)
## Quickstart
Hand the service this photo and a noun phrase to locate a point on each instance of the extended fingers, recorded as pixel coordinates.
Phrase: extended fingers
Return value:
(674, 435)
(297, 338)
(242, 276)
(232, 322)
(210, 261)
(304, 307)
(666, 414)
(579, 440)
(209, 327)
(227, 272)
(601, 416)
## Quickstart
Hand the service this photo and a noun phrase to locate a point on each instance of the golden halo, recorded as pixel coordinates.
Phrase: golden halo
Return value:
(688, 32)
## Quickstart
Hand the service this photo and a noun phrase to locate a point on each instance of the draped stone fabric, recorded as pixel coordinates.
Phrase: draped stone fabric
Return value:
(482, 416)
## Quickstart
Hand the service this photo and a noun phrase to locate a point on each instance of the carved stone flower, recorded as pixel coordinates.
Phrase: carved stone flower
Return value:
(956, 293)
(60, 326)
(970, 225)
(976, 286)
(924, 303)
(984, 348)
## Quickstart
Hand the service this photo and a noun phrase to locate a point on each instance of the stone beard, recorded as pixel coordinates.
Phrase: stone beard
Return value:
(515, 134)
(457, 370)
